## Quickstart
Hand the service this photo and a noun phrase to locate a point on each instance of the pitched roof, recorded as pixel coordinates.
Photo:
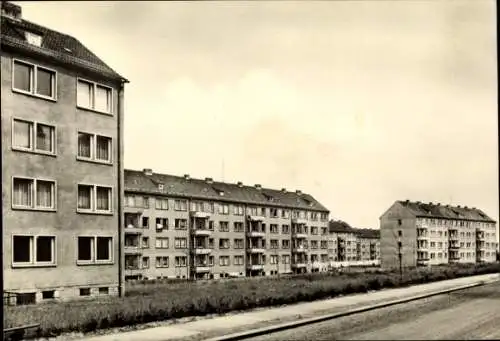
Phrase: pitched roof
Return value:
(138, 181)
(339, 226)
(432, 210)
(55, 45)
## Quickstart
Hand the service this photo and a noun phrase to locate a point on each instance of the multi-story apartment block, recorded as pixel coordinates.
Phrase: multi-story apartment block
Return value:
(431, 234)
(351, 245)
(180, 227)
(62, 113)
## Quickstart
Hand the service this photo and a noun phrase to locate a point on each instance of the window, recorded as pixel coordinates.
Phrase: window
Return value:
(145, 262)
(314, 244)
(285, 259)
(324, 231)
(211, 225)
(285, 229)
(94, 198)
(224, 226)
(180, 261)
(33, 194)
(224, 260)
(314, 230)
(34, 80)
(180, 243)
(273, 212)
(238, 260)
(223, 243)
(95, 249)
(274, 259)
(180, 224)
(84, 291)
(103, 291)
(238, 227)
(180, 205)
(49, 294)
(324, 244)
(94, 96)
(273, 228)
(238, 210)
(145, 242)
(161, 243)
(238, 243)
(274, 244)
(314, 216)
(94, 147)
(285, 214)
(145, 222)
(33, 250)
(285, 244)
(196, 206)
(223, 209)
(161, 223)
(33, 137)
(263, 211)
(162, 262)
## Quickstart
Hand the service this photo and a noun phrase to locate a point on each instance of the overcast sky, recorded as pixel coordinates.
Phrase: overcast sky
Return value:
(359, 103)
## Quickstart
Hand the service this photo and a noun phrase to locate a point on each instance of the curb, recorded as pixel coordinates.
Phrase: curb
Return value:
(304, 322)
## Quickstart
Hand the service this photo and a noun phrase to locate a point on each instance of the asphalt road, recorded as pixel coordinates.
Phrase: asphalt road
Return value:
(468, 314)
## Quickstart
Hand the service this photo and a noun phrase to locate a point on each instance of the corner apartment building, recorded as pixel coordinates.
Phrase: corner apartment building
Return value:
(62, 124)
(180, 227)
(351, 245)
(432, 234)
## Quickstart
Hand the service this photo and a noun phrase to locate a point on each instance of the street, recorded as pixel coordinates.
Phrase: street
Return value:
(469, 314)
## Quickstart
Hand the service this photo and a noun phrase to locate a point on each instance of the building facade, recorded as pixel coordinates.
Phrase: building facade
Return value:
(62, 114)
(432, 234)
(352, 246)
(180, 227)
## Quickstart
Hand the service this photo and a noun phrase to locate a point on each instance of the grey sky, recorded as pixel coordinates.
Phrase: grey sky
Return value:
(359, 103)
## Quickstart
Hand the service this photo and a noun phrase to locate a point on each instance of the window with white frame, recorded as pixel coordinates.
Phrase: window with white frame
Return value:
(94, 198)
(30, 193)
(238, 260)
(224, 226)
(93, 249)
(223, 209)
(180, 224)
(209, 207)
(162, 262)
(239, 243)
(94, 96)
(33, 79)
(274, 259)
(238, 210)
(94, 147)
(33, 250)
(161, 243)
(180, 243)
(224, 260)
(180, 205)
(33, 136)
(161, 204)
(285, 259)
(180, 261)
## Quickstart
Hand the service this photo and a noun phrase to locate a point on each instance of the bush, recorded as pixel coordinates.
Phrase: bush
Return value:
(156, 301)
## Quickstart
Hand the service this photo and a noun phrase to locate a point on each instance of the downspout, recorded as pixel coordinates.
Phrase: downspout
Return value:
(121, 288)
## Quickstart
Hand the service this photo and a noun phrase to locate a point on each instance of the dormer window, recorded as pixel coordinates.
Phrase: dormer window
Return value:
(160, 187)
(33, 39)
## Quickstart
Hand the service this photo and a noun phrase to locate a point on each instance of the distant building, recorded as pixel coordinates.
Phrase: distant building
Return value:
(433, 234)
(180, 227)
(351, 246)
(62, 109)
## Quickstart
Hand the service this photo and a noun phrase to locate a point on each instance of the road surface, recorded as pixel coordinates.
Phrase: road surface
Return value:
(469, 314)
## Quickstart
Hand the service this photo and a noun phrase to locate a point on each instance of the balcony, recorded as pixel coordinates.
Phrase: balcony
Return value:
(299, 221)
(200, 214)
(422, 261)
(202, 250)
(255, 266)
(453, 246)
(481, 246)
(315, 265)
(422, 236)
(133, 229)
(453, 236)
(202, 268)
(299, 249)
(301, 234)
(256, 249)
(202, 231)
(299, 265)
(255, 218)
(480, 235)
(256, 233)
(132, 249)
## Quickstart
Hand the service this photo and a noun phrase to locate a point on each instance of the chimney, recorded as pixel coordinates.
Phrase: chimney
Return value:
(439, 204)
(407, 201)
(430, 203)
(186, 176)
(209, 180)
(299, 192)
(12, 11)
(283, 190)
(240, 184)
(258, 186)
(465, 207)
(458, 206)
(148, 171)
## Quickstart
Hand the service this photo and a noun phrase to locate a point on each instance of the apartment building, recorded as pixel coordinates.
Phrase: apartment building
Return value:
(62, 114)
(351, 245)
(431, 234)
(180, 227)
